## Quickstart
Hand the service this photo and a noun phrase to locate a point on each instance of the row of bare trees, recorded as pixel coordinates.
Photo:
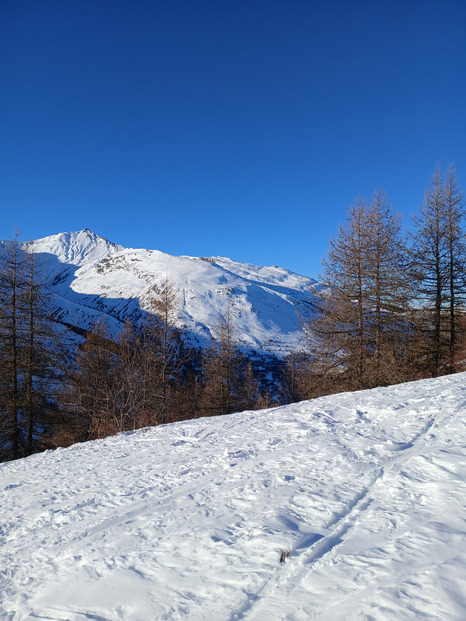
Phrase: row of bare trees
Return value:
(146, 376)
(393, 306)
(129, 381)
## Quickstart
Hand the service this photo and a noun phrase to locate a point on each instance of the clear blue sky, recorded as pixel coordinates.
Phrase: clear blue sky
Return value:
(242, 128)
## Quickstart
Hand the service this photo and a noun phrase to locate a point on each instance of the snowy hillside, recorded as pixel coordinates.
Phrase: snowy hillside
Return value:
(187, 521)
(91, 277)
(76, 248)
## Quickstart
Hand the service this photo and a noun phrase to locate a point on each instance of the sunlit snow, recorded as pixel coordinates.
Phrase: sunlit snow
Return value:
(91, 278)
(188, 521)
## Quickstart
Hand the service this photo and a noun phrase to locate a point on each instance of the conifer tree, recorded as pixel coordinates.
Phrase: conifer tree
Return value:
(90, 392)
(388, 292)
(341, 324)
(439, 267)
(360, 331)
(250, 393)
(222, 371)
(28, 355)
(167, 345)
(42, 361)
(456, 241)
(11, 294)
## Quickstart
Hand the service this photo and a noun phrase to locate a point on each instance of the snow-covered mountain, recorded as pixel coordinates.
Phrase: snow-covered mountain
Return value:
(90, 277)
(188, 521)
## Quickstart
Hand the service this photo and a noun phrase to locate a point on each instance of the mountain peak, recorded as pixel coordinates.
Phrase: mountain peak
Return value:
(76, 247)
(91, 276)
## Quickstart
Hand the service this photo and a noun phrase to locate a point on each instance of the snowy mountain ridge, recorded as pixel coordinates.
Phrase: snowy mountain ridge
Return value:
(91, 278)
(365, 491)
(75, 248)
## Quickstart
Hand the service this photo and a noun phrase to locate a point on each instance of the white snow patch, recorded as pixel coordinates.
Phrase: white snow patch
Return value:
(187, 521)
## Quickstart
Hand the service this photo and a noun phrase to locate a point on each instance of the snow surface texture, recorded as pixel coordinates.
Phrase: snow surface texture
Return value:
(92, 278)
(188, 521)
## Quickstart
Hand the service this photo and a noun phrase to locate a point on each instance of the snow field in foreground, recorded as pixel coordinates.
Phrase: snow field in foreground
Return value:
(188, 521)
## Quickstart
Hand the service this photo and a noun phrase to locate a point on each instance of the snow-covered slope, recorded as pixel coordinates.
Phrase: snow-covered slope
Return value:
(91, 277)
(76, 248)
(187, 521)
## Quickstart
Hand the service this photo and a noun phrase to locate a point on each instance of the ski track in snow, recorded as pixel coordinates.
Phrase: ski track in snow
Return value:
(187, 521)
